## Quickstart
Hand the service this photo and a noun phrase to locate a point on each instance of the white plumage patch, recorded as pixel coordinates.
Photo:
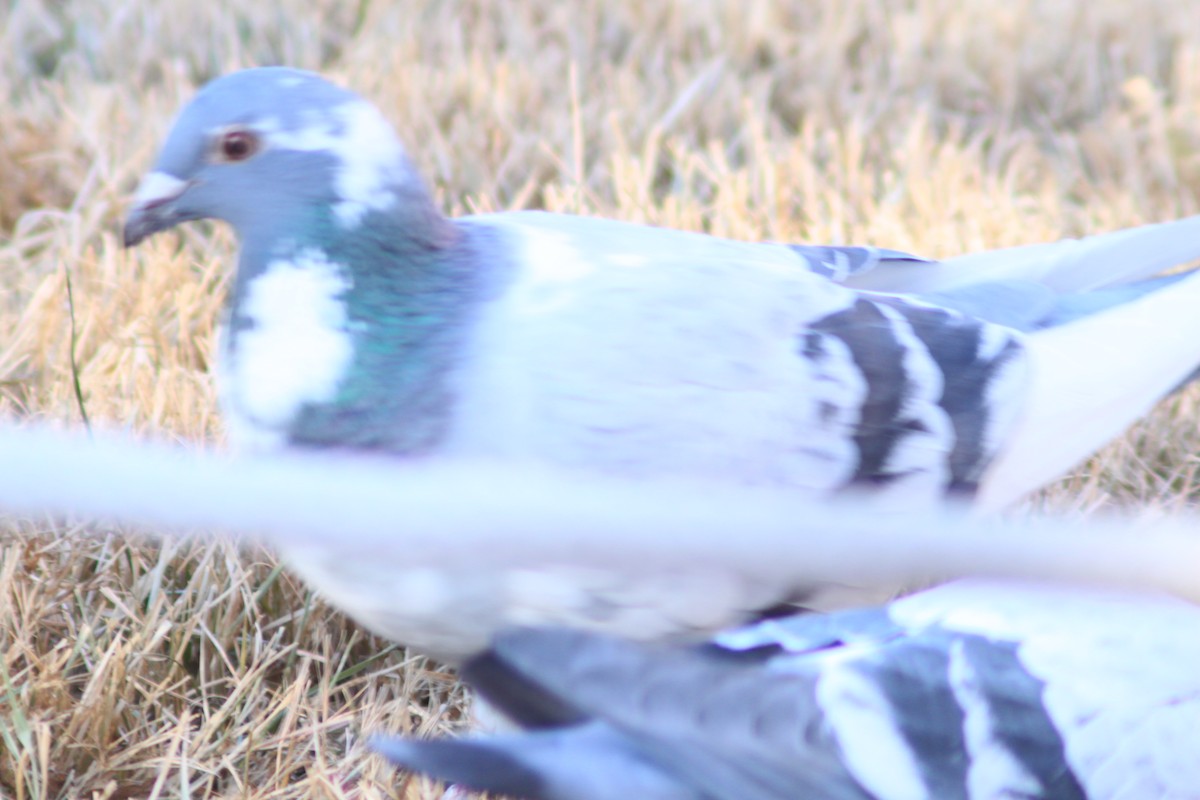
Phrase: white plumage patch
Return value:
(872, 746)
(923, 476)
(157, 187)
(371, 156)
(637, 351)
(994, 771)
(992, 340)
(297, 348)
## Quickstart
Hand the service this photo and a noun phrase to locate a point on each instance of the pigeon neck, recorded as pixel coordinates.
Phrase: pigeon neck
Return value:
(411, 225)
(389, 302)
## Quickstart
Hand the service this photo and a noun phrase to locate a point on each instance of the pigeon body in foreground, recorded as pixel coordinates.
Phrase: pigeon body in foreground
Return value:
(363, 318)
(970, 690)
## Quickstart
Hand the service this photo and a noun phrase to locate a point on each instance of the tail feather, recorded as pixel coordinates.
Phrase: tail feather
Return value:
(1091, 379)
(484, 766)
(590, 762)
(1016, 304)
(1073, 307)
(1070, 265)
(1027, 306)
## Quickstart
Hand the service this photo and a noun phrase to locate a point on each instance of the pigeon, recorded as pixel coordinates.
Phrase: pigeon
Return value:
(361, 318)
(363, 321)
(971, 689)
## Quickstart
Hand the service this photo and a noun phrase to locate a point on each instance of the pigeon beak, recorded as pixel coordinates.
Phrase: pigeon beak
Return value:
(154, 207)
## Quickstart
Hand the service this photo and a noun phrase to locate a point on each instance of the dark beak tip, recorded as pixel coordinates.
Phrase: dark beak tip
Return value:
(145, 221)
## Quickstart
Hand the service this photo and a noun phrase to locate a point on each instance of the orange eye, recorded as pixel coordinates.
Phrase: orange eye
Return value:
(237, 145)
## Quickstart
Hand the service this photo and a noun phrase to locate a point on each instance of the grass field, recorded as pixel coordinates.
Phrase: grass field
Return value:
(130, 670)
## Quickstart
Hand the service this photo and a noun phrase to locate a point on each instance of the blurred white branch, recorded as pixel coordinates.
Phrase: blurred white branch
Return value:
(498, 515)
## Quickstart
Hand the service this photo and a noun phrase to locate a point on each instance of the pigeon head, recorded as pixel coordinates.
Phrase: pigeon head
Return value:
(263, 147)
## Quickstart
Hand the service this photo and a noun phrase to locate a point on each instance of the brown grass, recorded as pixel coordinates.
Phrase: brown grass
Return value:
(128, 670)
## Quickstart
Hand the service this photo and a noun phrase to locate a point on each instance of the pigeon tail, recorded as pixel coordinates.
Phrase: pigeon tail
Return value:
(1070, 265)
(1091, 378)
(588, 762)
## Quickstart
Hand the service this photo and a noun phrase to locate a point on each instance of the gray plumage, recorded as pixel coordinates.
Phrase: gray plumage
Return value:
(972, 690)
(362, 319)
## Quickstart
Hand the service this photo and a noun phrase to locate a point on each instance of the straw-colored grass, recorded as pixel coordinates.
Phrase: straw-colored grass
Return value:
(129, 670)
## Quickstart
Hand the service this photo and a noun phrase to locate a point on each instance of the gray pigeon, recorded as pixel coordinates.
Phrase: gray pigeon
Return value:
(970, 690)
(362, 318)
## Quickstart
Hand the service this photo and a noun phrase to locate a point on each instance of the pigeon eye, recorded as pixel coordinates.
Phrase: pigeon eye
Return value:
(237, 145)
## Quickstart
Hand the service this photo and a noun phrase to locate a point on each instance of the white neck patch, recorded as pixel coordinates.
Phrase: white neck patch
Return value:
(371, 156)
(299, 347)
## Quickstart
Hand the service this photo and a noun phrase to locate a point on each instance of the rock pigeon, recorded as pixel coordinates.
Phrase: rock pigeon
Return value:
(362, 318)
(364, 321)
(972, 689)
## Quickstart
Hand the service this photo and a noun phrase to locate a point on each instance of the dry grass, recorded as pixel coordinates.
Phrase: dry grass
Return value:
(128, 670)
